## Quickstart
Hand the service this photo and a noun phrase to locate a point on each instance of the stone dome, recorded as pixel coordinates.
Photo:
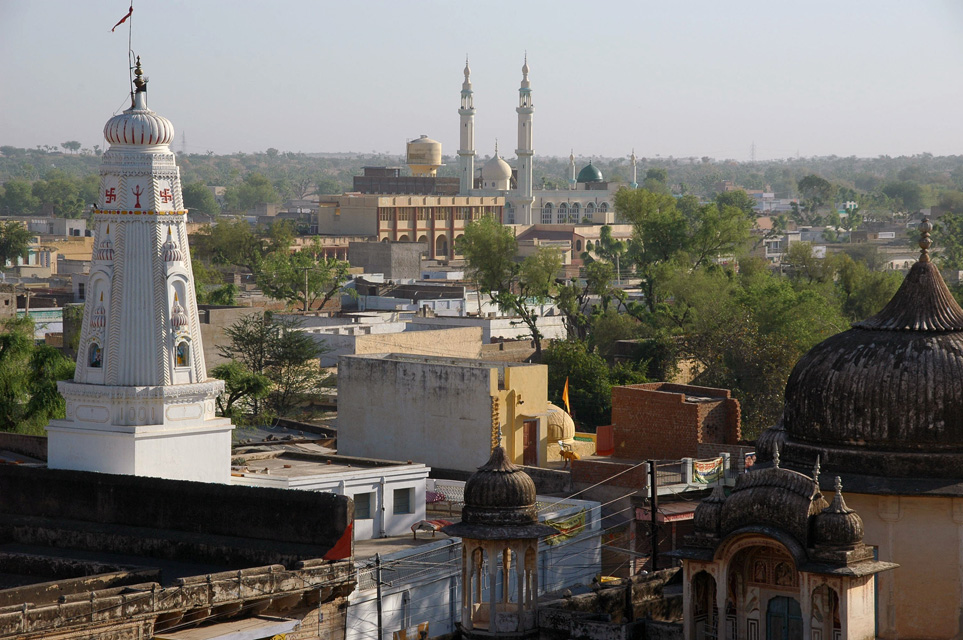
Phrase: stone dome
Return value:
(499, 503)
(589, 173)
(138, 125)
(707, 519)
(885, 397)
(560, 424)
(496, 170)
(838, 525)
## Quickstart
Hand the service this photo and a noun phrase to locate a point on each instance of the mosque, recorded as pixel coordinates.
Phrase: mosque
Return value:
(589, 196)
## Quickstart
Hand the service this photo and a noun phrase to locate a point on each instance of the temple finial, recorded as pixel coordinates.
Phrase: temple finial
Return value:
(816, 472)
(139, 80)
(839, 486)
(775, 457)
(925, 242)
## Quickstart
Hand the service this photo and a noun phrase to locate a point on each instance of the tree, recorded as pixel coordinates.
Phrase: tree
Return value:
(304, 277)
(907, 196)
(71, 145)
(254, 190)
(667, 232)
(28, 379)
(14, 242)
(273, 347)
(231, 242)
(864, 292)
(518, 288)
(241, 387)
(198, 198)
(17, 199)
(949, 234)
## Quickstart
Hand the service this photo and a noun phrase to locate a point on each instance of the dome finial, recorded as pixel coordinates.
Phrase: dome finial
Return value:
(925, 242)
(467, 68)
(816, 472)
(139, 80)
(839, 486)
(496, 147)
(775, 457)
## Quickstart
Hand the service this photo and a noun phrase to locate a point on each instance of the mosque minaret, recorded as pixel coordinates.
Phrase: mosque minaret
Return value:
(523, 199)
(140, 402)
(466, 151)
(587, 198)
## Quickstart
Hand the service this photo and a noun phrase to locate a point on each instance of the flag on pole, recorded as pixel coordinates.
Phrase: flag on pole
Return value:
(124, 19)
(568, 409)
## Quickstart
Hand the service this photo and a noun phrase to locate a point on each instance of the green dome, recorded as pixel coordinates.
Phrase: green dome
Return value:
(589, 173)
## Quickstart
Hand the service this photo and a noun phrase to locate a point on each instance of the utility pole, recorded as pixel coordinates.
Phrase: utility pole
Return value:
(653, 510)
(306, 269)
(378, 585)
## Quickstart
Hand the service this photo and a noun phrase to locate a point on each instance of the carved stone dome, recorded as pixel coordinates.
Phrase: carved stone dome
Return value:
(707, 519)
(838, 525)
(499, 503)
(884, 398)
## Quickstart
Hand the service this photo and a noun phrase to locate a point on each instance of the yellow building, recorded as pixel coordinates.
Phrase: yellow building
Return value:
(437, 221)
(445, 412)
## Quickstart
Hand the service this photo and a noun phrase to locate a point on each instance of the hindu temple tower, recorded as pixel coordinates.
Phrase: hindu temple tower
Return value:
(140, 402)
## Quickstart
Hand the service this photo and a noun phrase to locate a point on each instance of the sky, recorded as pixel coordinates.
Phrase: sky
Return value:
(683, 78)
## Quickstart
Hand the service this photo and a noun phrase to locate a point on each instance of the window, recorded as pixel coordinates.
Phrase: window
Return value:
(81, 290)
(362, 506)
(402, 501)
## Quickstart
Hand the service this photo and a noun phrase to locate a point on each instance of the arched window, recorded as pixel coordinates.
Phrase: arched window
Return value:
(562, 213)
(547, 213)
(182, 354)
(604, 207)
(95, 356)
(590, 208)
(578, 245)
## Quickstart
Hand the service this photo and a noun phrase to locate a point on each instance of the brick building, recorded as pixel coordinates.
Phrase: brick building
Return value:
(669, 421)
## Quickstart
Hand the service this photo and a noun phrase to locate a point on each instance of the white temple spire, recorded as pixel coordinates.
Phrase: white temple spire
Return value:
(140, 402)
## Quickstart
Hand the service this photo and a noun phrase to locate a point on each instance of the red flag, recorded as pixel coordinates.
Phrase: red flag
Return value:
(124, 19)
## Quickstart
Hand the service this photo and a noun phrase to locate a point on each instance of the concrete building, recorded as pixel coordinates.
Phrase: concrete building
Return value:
(389, 496)
(140, 402)
(437, 221)
(445, 412)
(394, 260)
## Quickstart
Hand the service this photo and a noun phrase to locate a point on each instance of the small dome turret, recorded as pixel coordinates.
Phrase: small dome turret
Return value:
(178, 315)
(171, 252)
(560, 424)
(707, 519)
(499, 503)
(838, 525)
(496, 171)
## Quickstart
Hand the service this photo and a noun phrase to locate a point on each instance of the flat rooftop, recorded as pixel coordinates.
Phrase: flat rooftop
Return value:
(470, 363)
(289, 464)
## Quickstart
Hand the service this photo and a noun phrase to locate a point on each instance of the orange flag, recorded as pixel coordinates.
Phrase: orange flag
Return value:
(568, 409)
(124, 19)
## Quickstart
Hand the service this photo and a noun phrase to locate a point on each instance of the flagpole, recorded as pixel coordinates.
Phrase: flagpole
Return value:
(130, 50)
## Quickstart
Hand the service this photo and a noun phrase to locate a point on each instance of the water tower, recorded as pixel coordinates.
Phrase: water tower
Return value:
(424, 157)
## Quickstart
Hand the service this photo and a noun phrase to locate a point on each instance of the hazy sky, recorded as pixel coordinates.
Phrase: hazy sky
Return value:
(682, 78)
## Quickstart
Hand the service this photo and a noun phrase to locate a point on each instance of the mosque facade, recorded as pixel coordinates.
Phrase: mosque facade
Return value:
(588, 198)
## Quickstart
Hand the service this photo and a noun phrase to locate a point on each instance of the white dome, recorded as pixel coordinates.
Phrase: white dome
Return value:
(496, 170)
(139, 125)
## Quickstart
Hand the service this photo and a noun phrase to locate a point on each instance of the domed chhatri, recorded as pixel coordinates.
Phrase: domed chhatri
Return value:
(884, 398)
(589, 173)
(560, 425)
(499, 503)
(138, 125)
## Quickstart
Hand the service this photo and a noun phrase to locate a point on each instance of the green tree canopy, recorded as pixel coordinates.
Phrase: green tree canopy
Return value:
(28, 379)
(516, 287)
(14, 242)
(198, 198)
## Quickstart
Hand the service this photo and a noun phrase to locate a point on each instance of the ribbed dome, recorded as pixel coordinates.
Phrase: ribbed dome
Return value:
(178, 316)
(499, 503)
(499, 493)
(838, 525)
(560, 424)
(171, 252)
(496, 169)
(707, 519)
(139, 125)
(885, 397)
(589, 173)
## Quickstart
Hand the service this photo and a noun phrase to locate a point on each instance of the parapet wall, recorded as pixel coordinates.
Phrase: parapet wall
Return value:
(175, 505)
